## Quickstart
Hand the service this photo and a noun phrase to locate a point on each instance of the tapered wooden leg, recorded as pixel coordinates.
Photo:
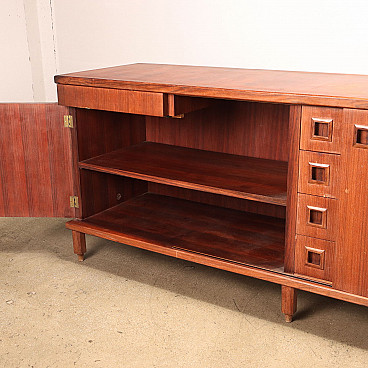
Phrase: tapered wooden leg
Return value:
(79, 244)
(288, 302)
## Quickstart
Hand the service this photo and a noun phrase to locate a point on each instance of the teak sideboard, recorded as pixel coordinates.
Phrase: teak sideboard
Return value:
(263, 173)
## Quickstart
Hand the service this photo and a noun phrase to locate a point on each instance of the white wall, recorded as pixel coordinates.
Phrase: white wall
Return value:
(314, 35)
(15, 66)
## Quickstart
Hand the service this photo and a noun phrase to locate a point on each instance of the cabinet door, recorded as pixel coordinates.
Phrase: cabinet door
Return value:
(352, 244)
(35, 161)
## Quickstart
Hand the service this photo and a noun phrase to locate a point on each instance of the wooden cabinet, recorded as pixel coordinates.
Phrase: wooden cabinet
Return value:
(262, 173)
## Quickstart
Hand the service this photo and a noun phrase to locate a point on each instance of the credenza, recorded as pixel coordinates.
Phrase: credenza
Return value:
(259, 172)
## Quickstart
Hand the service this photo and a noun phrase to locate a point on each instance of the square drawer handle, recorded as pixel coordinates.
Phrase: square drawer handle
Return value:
(322, 129)
(317, 216)
(315, 258)
(319, 173)
(360, 136)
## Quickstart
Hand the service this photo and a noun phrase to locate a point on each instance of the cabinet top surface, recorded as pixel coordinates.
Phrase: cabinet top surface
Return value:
(326, 89)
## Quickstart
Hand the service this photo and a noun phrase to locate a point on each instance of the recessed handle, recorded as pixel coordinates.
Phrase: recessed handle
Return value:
(315, 258)
(319, 173)
(322, 129)
(360, 136)
(317, 216)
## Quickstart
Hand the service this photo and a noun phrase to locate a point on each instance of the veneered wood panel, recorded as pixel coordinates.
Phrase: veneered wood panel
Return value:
(99, 132)
(162, 223)
(233, 175)
(323, 89)
(315, 258)
(325, 180)
(317, 217)
(219, 200)
(35, 163)
(12, 162)
(240, 128)
(133, 102)
(292, 183)
(352, 247)
(331, 124)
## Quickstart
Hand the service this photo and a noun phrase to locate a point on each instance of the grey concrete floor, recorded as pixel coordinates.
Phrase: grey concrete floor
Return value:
(125, 307)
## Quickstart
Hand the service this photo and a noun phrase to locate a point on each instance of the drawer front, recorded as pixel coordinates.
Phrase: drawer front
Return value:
(319, 174)
(317, 217)
(321, 129)
(133, 102)
(314, 257)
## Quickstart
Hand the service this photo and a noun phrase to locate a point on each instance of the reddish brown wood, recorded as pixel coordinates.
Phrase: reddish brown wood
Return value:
(134, 102)
(215, 231)
(36, 174)
(292, 180)
(240, 128)
(13, 170)
(325, 180)
(352, 247)
(317, 217)
(177, 106)
(231, 127)
(222, 128)
(309, 141)
(79, 244)
(101, 191)
(96, 133)
(266, 209)
(289, 302)
(246, 177)
(323, 89)
(315, 258)
(100, 132)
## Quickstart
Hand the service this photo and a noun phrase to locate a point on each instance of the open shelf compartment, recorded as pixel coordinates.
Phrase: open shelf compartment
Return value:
(226, 174)
(167, 224)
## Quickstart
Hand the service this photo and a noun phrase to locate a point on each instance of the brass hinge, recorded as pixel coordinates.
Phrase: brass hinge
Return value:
(68, 121)
(74, 202)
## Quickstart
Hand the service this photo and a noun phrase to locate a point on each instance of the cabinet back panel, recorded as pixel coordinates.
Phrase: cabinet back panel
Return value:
(237, 127)
(219, 200)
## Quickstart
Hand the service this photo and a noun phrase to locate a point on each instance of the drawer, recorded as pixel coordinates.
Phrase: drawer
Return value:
(321, 129)
(132, 102)
(317, 217)
(319, 174)
(314, 257)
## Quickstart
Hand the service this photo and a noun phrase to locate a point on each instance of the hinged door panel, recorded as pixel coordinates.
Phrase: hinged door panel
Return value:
(35, 161)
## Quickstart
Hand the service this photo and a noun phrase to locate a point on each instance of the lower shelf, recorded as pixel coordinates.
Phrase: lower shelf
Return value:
(166, 225)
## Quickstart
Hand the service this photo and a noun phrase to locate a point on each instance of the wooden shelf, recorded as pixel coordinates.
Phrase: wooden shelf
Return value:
(168, 225)
(232, 175)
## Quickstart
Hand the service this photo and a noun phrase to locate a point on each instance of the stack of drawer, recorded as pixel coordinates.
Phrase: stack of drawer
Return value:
(318, 191)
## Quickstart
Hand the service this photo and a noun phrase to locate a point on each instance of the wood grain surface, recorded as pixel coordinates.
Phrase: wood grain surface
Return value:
(35, 161)
(352, 247)
(232, 175)
(322, 89)
(166, 222)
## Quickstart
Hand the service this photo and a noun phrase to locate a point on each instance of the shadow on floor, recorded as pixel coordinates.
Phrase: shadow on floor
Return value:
(318, 315)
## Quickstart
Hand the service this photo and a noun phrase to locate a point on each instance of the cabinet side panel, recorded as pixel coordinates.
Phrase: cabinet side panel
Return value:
(99, 132)
(352, 245)
(34, 164)
(292, 187)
